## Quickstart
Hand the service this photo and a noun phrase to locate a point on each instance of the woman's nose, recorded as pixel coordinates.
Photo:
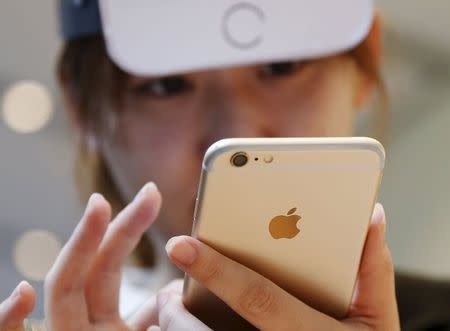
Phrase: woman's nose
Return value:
(233, 109)
(233, 118)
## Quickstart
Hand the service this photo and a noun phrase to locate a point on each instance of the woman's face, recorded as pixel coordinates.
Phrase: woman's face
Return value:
(166, 124)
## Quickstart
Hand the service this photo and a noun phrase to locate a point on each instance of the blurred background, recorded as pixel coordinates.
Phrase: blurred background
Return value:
(38, 202)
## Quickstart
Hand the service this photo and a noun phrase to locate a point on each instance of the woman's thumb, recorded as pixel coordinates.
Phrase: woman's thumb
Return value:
(374, 298)
(17, 307)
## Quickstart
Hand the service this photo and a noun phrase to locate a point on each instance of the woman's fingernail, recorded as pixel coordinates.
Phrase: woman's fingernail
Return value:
(379, 217)
(18, 290)
(146, 188)
(92, 198)
(180, 250)
(23, 284)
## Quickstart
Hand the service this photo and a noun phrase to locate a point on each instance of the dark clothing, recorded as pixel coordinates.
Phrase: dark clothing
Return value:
(424, 304)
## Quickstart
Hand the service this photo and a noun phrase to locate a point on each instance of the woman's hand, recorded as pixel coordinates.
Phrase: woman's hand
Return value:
(17, 307)
(267, 306)
(82, 288)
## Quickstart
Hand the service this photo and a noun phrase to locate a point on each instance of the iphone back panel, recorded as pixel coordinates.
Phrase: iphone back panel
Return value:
(295, 210)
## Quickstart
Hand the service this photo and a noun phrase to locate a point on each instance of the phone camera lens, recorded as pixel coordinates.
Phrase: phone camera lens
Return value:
(239, 159)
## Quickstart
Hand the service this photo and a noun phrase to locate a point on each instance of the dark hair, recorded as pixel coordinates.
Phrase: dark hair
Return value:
(93, 81)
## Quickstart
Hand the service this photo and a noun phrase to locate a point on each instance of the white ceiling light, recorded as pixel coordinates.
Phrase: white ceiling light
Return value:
(27, 107)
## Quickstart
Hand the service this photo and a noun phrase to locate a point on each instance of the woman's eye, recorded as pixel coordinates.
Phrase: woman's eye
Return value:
(165, 87)
(279, 69)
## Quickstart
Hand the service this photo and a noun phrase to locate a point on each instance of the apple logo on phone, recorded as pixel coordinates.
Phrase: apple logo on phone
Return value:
(285, 226)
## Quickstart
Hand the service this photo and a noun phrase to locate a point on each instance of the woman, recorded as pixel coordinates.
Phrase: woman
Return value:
(135, 129)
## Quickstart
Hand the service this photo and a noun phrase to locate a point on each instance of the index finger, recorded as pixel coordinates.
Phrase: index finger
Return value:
(255, 298)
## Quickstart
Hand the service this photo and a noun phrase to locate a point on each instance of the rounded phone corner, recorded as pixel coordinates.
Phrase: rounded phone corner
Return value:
(377, 147)
(214, 151)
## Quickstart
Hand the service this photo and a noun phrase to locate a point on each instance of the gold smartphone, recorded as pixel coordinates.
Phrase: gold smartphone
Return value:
(295, 210)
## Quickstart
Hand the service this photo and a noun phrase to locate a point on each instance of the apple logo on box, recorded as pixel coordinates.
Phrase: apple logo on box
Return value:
(285, 226)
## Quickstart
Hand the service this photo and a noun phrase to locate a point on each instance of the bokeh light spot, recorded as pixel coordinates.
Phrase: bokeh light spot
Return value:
(27, 107)
(34, 254)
